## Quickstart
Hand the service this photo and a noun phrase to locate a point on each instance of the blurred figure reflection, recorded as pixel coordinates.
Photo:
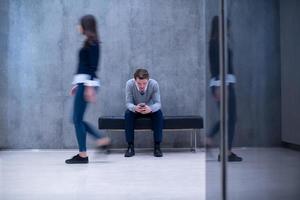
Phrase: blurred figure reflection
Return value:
(215, 84)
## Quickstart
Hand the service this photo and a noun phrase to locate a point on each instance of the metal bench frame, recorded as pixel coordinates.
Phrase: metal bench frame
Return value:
(193, 135)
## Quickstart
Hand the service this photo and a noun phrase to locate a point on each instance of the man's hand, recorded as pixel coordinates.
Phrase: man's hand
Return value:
(90, 94)
(139, 108)
(146, 110)
(142, 108)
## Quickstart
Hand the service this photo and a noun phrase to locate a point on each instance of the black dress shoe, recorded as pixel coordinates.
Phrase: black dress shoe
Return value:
(78, 160)
(157, 152)
(130, 151)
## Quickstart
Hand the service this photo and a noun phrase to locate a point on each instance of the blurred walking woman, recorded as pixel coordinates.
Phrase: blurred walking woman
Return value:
(85, 84)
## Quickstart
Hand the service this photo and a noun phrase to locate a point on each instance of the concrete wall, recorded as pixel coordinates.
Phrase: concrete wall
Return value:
(290, 62)
(41, 47)
(255, 43)
(40, 44)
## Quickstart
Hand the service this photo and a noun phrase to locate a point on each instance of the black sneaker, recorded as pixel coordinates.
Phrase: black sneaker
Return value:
(232, 158)
(157, 152)
(130, 151)
(78, 160)
(104, 149)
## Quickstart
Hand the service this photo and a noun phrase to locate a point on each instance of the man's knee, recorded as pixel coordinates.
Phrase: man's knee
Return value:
(129, 114)
(158, 114)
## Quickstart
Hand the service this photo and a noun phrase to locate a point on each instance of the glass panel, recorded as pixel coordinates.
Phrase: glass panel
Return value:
(213, 172)
(263, 37)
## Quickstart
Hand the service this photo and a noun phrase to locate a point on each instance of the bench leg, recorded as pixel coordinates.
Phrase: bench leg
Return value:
(193, 141)
(107, 151)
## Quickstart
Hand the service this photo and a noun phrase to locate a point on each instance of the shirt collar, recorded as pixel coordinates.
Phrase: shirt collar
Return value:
(138, 87)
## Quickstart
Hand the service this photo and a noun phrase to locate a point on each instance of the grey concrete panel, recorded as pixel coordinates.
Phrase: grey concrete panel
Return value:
(4, 30)
(164, 36)
(290, 60)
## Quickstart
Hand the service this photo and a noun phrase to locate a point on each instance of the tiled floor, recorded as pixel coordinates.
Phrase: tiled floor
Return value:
(265, 174)
(43, 175)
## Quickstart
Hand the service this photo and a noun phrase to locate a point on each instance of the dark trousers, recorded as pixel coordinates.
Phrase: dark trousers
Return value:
(81, 126)
(231, 117)
(157, 125)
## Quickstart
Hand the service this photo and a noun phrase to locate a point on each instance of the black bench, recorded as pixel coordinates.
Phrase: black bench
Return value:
(192, 123)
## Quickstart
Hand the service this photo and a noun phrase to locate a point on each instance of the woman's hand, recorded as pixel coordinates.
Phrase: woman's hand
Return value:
(217, 94)
(73, 90)
(90, 94)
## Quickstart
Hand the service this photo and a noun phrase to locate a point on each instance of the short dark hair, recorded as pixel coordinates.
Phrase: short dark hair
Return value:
(141, 74)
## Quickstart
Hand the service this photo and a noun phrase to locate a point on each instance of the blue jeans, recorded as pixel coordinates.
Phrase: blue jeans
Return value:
(81, 126)
(157, 125)
(231, 117)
